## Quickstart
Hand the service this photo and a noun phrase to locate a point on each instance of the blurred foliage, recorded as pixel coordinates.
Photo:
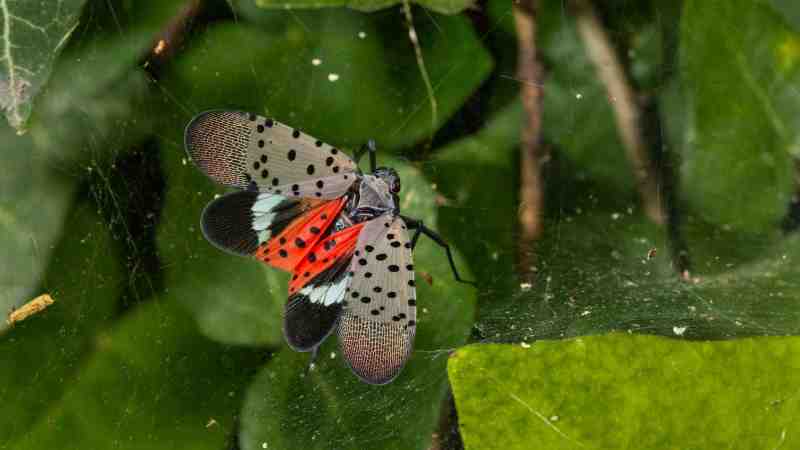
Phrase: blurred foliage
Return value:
(442, 6)
(747, 49)
(158, 340)
(622, 391)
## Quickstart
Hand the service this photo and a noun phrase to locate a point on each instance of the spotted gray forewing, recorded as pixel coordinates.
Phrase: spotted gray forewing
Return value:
(377, 324)
(236, 149)
(241, 150)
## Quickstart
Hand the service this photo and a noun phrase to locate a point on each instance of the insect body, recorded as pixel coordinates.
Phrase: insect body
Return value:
(303, 206)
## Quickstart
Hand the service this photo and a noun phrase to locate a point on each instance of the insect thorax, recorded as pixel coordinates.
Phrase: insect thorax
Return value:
(370, 197)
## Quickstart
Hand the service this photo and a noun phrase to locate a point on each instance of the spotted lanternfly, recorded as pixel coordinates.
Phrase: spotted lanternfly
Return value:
(304, 206)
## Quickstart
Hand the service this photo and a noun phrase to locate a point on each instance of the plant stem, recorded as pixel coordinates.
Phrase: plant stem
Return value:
(623, 102)
(529, 74)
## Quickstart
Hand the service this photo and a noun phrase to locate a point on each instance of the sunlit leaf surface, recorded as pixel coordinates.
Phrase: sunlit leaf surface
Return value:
(627, 391)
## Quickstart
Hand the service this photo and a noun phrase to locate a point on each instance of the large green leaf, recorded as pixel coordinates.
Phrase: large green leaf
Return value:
(32, 35)
(741, 66)
(330, 407)
(441, 6)
(628, 391)
(41, 354)
(312, 70)
(153, 383)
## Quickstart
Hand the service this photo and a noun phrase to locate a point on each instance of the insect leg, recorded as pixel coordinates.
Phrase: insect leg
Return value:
(368, 147)
(420, 228)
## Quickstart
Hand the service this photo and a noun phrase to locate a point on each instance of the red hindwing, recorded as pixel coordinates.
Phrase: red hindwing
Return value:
(324, 254)
(286, 250)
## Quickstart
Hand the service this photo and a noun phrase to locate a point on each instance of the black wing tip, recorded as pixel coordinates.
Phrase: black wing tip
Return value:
(226, 222)
(301, 339)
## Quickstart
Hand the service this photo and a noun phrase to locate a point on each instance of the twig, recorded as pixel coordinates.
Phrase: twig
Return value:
(169, 40)
(529, 73)
(623, 101)
(412, 36)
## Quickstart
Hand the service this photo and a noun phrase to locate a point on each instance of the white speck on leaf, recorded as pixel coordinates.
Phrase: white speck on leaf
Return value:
(333, 77)
(316, 61)
(679, 330)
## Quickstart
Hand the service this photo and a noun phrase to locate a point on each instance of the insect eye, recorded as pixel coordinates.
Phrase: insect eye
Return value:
(396, 187)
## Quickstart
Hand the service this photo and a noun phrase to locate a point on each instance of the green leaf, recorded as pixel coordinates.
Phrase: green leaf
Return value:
(440, 6)
(32, 36)
(790, 11)
(34, 200)
(625, 391)
(153, 383)
(331, 407)
(360, 88)
(740, 64)
(40, 355)
(235, 300)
